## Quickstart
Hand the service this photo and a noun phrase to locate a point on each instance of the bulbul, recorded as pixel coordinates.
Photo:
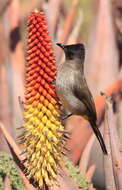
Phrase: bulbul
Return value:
(72, 88)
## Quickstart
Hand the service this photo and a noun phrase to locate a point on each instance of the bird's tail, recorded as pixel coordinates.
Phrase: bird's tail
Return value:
(99, 136)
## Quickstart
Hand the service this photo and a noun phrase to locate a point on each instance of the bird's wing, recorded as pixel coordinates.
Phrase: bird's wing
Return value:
(83, 93)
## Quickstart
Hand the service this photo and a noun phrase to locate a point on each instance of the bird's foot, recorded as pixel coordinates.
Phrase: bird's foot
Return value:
(63, 117)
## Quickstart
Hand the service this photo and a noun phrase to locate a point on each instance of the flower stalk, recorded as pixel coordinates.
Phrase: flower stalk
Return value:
(43, 131)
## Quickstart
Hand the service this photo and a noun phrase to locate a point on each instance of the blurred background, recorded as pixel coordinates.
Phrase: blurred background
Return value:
(97, 24)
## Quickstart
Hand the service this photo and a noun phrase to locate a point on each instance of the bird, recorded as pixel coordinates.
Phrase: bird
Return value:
(73, 91)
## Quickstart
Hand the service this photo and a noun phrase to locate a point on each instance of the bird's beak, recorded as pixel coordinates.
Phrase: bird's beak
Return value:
(60, 45)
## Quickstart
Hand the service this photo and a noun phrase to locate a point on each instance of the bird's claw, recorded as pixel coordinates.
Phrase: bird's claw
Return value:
(63, 117)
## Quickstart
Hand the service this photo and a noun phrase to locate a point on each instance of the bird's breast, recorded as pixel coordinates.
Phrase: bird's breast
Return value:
(64, 79)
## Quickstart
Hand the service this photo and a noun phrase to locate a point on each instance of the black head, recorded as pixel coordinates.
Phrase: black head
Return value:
(73, 51)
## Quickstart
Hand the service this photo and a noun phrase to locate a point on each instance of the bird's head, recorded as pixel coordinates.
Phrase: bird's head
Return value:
(73, 51)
